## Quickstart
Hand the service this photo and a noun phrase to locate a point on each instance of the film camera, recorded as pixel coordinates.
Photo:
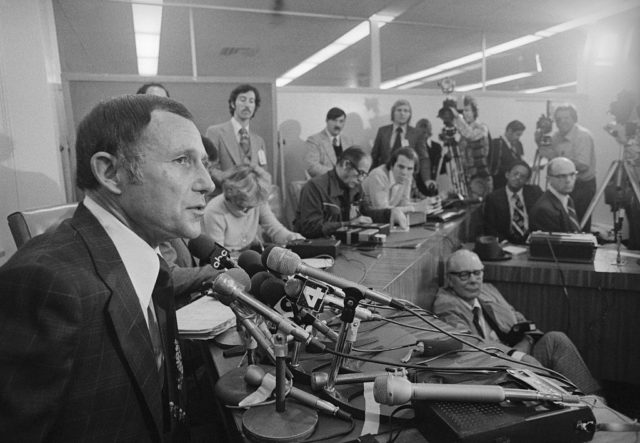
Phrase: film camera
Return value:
(622, 128)
(448, 134)
(544, 126)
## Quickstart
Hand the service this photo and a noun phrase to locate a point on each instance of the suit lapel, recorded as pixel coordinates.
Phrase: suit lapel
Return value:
(231, 144)
(124, 311)
(327, 145)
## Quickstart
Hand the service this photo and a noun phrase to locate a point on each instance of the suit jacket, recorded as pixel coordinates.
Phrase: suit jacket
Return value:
(320, 156)
(224, 138)
(497, 215)
(549, 215)
(76, 359)
(500, 157)
(381, 152)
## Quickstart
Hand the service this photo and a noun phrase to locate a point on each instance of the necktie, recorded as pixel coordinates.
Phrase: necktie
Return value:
(518, 224)
(477, 312)
(245, 143)
(162, 289)
(573, 217)
(397, 143)
(337, 147)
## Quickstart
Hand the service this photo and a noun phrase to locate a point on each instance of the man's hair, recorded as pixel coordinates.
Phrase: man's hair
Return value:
(116, 126)
(567, 107)
(247, 185)
(423, 122)
(455, 255)
(212, 151)
(515, 163)
(515, 126)
(470, 101)
(401, 102)
(552, 164)
(353, 154)
(143, 88)
(241, 90)
(405, 152)
(335, 113)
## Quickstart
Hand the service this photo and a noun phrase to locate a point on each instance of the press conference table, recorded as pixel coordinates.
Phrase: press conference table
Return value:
(408, 267)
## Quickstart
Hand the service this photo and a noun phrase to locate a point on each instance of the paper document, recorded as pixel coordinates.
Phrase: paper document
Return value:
(204, 318)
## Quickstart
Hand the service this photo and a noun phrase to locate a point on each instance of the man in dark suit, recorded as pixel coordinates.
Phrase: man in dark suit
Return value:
(434, 149)
(504, 151)
(554, 211)
(89, 348)
(506, 210)
(400, 135)
(235, 142)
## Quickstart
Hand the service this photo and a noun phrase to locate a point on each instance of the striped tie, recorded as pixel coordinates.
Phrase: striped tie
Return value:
(573, 217)
(518, 222)
(477, 322)
(245, 143)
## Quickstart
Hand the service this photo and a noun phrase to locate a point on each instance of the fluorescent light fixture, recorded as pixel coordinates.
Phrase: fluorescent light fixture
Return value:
(610, 10)
(147, 21)
(549, 88)
(495, 81)
(352, 37)
(445, 74)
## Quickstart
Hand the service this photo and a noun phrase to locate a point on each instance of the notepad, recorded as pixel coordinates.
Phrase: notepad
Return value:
(204, 319)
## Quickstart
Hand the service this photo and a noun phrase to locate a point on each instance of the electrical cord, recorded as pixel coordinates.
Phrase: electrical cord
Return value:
(352, 426)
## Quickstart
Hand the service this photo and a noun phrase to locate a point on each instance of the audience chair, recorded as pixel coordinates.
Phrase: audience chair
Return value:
(25, 225)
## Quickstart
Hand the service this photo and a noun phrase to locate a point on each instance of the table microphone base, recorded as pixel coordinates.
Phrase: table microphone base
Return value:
(265, 424)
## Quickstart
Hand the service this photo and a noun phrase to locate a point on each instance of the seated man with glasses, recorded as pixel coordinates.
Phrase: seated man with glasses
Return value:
(507, 210)
(239, 216)
(468, 304)
(335, 198)
(555, 210)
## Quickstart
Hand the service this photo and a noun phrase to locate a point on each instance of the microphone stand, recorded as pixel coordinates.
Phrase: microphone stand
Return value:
(257, 337)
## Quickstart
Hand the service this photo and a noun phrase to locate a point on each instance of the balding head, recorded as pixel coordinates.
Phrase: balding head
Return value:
(464, 274)
(561, 175)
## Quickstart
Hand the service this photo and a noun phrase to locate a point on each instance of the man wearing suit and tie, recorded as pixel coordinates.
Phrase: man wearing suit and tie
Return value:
(235, 142)
(506, 210)
(324, 148)
(89, 348)
(505, 150)
(400, 135)
(554, 211)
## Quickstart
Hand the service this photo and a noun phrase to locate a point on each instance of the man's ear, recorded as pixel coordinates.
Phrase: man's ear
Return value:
(105, 169)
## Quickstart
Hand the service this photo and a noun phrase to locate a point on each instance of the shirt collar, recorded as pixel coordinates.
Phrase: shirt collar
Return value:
(510, 193)
(139, 259)
(331, 136)
(237, 126)
(564, 199)
(404, 128)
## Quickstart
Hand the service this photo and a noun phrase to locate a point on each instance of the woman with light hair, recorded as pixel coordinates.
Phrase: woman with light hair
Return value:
(238, 218)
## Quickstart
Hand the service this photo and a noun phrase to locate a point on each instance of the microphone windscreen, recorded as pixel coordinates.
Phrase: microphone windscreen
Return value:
(202, 247)
(241, 277)
(265, 255)
(282, 260)
(271, 291)
(250, 261)
(256, 282)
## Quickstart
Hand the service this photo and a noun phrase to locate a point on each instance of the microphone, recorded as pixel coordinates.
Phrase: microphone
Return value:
(394, 390)
(230, 289)
(255, 374)
(240, 277)
(251, 262)
(257, 280)
(271, 293)
(207, 250)
(288, 263)
(314, 295)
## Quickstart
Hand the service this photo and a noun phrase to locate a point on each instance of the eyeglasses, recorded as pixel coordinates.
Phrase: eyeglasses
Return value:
(563, 176)
(361, 173)
(464, 275)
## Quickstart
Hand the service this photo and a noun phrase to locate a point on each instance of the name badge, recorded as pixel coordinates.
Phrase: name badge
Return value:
(404, 143)
(262, 157)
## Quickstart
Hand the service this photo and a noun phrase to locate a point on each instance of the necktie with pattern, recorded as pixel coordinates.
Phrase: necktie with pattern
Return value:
(397, 143)
(477, 312)
(573, 217)
(337, 147)
(518, 223)
(245, 143)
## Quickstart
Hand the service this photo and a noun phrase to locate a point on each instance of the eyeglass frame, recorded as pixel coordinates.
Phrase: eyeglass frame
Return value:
(465, 275)
(564, 176)
(361, 174)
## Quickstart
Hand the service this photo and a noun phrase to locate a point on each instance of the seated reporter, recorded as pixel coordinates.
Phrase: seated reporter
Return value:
(239, 216)
(335, 198)
(466, 303)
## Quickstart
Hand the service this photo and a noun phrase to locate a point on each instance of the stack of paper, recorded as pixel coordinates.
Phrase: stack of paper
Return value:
(204, 319)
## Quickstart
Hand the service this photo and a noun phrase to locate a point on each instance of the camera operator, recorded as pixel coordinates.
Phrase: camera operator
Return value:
(474, 147)
(574, 142)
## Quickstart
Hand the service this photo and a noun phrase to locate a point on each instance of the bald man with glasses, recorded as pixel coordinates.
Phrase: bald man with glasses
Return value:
(468, 304)
(555, 210)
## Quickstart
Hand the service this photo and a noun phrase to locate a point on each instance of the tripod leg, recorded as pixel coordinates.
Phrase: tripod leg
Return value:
(632, 179)
(612, 170)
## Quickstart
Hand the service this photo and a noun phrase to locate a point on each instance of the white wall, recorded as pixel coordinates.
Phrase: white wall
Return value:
(30, 167)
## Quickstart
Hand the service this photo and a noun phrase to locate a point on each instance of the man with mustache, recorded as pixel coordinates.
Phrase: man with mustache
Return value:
(235, 142)
(324, 148)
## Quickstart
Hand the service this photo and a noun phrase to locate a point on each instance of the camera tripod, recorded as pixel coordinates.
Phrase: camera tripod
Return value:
(620, 169)
(455, 170)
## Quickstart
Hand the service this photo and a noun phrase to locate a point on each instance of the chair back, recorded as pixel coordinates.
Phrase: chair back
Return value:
(25, 225)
